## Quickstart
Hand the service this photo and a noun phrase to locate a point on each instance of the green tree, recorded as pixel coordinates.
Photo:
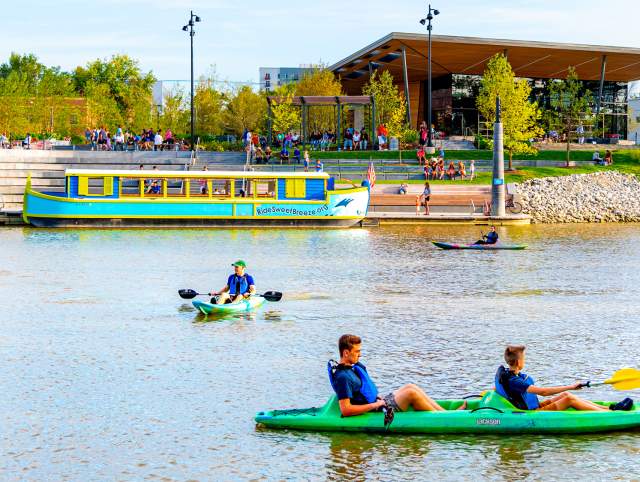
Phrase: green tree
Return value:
(391, 107)
(124, 83)
(176, 113)
(209, 103)
(571, 102)
(319, 82)
(284, 114)
(520, 116)
(245, 109)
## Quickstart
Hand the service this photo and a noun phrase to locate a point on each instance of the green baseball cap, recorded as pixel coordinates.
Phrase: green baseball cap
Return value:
(239, 263)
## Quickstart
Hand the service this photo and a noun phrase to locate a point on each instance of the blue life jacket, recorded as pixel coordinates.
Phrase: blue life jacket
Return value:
(492, 237)
(238, 284)
(368, 390)
(523, 401)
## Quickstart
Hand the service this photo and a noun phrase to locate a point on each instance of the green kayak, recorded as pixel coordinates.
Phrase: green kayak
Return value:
(244, 305)
(479, 247)
(490, 414)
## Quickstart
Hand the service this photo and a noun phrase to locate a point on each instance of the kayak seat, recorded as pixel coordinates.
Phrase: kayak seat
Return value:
(492, 399)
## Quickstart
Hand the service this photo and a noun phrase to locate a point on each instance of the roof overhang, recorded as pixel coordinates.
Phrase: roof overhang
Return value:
(469, 55)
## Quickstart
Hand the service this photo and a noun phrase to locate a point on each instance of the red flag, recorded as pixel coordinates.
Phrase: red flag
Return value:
(371, 175)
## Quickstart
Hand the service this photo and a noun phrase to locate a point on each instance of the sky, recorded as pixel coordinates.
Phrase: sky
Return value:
(236, 37)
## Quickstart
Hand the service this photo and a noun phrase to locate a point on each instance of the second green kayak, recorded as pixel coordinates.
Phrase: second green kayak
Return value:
(490, 414)
(244, 305)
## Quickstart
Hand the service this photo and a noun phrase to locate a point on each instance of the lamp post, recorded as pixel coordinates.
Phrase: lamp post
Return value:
(189, 28)
(430, 14)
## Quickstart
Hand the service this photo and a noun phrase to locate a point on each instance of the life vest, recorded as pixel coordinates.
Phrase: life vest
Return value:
(238, 284)
(523, 401)
(368, 389)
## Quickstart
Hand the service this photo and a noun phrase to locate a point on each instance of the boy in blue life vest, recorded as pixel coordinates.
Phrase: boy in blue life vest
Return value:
(519, 389)
(358, 394)
(240, 285)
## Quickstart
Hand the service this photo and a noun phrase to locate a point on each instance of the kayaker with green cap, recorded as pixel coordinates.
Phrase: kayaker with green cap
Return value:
(356, 392)
(519, 389)
(240, 285)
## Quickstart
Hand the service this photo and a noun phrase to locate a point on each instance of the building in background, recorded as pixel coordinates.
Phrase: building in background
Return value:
(634, 120)
(458, 64)
(273, 77)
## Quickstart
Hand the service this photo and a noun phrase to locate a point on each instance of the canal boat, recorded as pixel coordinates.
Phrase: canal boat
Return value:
(479, 247)
(490, 414)
(115, 198)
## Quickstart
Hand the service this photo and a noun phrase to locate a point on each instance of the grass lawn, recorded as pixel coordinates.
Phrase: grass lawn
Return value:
(627, 162)
(476, 154)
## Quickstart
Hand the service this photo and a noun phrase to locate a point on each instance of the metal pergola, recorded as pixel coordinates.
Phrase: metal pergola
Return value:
(337, 101)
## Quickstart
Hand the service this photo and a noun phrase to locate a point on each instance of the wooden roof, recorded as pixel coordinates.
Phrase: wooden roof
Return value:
(469, 55)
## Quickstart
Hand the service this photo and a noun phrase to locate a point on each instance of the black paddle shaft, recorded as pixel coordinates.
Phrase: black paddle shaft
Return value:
(188, 294)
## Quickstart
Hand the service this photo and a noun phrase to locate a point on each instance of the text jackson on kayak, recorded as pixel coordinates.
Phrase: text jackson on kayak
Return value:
(240, 285)
(358, 394)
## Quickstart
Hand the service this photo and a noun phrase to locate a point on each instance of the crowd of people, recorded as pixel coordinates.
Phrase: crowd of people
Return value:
(101, 139)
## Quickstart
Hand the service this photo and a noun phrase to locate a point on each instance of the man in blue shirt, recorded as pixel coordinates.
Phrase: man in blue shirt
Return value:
(490, 238)
(357, 394)
(240, 285)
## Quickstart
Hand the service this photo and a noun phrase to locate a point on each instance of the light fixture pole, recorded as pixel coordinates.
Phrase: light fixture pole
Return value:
(189, 28)
(430, 14)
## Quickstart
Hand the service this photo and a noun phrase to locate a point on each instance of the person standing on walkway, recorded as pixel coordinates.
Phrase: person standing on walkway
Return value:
(426, 197)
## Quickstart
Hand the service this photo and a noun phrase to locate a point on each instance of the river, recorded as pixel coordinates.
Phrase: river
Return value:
(107, 374)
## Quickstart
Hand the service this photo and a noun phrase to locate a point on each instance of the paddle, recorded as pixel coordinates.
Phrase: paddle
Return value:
(269, 295)
(624, 379)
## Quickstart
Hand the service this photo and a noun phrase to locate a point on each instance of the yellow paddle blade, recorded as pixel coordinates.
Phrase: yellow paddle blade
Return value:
(625, 379)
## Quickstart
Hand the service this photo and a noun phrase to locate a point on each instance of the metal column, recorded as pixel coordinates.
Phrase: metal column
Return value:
(338, 130)
(602, 71)
(406, 84)
(497, 180)
(269, 122)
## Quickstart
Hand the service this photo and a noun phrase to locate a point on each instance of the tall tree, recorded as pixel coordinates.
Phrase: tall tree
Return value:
(209, 103)
(319, 82)
(123, 82)
(285, 116)
(175, 112)
(390, 103)
(571, 102)
(245, 109)
(520, 116)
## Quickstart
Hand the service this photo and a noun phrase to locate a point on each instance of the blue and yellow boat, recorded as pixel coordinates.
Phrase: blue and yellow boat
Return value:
(195, 198)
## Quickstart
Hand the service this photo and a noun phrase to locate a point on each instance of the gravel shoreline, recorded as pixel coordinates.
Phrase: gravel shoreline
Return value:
(602, 197)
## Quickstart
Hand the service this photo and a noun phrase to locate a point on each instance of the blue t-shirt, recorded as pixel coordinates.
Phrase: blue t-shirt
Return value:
(492, 237)
(231, 283)
(347, 385)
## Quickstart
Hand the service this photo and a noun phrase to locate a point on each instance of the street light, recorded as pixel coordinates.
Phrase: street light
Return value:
(189, 28)
(432, 12)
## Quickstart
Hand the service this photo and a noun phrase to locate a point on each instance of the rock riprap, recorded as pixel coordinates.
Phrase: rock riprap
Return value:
(601, 197)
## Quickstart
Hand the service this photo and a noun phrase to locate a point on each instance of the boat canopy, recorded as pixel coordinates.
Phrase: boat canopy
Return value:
(194, 174)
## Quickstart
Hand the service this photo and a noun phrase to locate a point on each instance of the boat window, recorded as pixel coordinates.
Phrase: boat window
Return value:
(243, 188)
(266, 188)
(176, 187)
(220, 188)
(131, 186)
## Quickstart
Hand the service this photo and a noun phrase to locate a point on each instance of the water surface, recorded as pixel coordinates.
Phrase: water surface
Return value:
(107, 374)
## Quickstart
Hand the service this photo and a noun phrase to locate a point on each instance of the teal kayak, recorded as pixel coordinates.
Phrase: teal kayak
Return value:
(490, 414)
(481, 247)
(244, 305)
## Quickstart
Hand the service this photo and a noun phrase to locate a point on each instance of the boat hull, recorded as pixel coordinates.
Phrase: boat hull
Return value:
(480, 247)
(341, 208)
(479, 418)
(245, 305)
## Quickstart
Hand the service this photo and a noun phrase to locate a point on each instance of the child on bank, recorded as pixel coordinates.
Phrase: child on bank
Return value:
(519, 389)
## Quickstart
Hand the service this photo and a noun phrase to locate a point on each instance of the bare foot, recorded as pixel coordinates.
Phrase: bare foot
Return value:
(463, 406)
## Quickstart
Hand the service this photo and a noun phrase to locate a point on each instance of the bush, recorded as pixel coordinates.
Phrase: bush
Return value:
(482, 142)
(409, 136)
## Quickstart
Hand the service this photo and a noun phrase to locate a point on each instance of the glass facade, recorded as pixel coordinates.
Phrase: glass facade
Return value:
(454, 104)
